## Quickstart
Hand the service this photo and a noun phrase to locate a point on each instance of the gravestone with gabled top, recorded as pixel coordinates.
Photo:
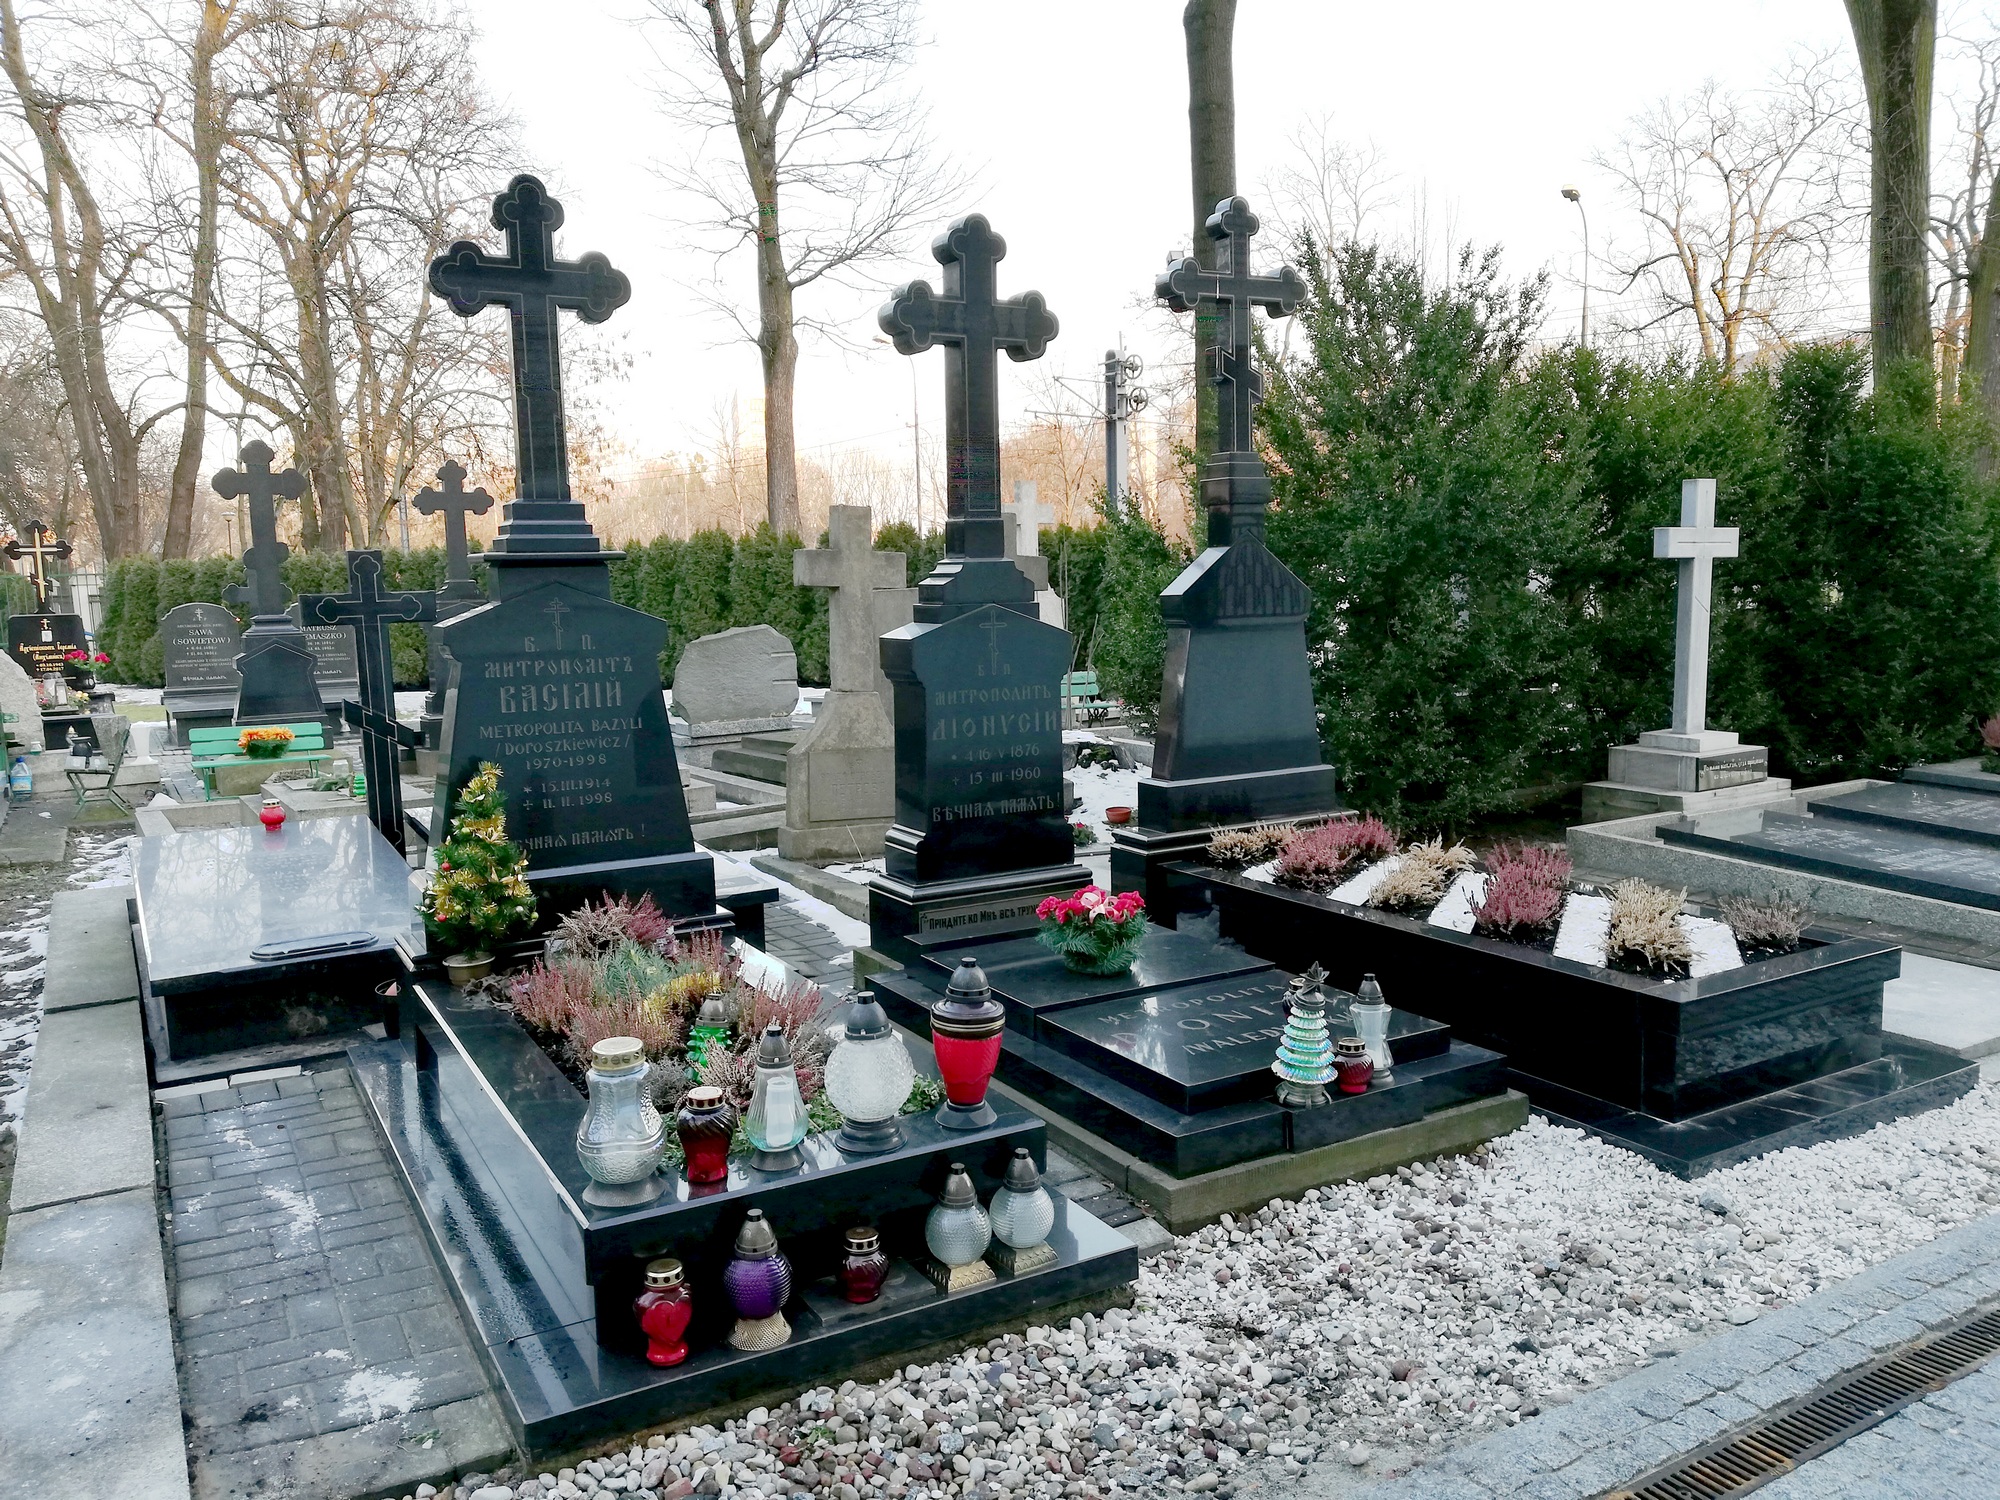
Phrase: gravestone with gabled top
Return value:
(551, 680)
(277, 664)
(1238, 739)
(1688, 768)
(840, 779)
(199, 644)
(979, 837)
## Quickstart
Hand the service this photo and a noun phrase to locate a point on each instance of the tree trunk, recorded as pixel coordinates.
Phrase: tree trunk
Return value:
(205, 135)
(777, 341)
(1210, 26)
(1896, 40)
(1982, 329)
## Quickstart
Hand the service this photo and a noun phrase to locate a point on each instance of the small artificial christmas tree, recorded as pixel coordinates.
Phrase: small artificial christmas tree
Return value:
(479, 893)
(1305, 1053)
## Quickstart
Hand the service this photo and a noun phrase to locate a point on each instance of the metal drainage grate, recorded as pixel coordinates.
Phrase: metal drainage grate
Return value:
(1852, 1404)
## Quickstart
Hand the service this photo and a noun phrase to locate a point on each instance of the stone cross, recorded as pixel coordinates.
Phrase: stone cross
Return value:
(853, 569)
(455, 502)
(1234, 291)
(974, 324)
(1033, 517)
(370, 612)
(533, 286)
(264, 591)
(1694, 544)
(41, 549)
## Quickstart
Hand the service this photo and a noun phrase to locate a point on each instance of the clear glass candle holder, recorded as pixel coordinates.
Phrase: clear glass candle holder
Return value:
(622, 1135)
(776, 1122)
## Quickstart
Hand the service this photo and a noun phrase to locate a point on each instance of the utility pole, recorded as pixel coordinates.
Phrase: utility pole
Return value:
(1122, 400)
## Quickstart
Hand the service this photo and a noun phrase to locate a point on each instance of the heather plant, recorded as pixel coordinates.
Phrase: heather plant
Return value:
(1645, 934)
(594, 931)
(1317, 859)
(1765, 926)
(1525, 888)
(1421, 877)
(1236, 848)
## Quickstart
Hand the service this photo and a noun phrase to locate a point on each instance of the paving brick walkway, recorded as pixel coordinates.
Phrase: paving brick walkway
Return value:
(808, 949)
(1606, 1439)
(318, 1349)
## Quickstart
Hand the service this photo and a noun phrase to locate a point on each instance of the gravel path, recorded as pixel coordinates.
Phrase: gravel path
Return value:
(1361, 1329)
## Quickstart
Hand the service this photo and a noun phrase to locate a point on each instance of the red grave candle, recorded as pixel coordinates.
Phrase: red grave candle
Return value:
(864, 1267)
(663, 1310)
(965, 1034)
(705, 1125)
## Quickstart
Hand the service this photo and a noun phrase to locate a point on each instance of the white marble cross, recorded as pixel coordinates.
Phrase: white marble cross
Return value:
(1025, 517)
(1033, 516)
(1694, 544)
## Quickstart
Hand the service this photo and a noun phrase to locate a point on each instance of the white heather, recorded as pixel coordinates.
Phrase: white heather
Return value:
(1392, 1318)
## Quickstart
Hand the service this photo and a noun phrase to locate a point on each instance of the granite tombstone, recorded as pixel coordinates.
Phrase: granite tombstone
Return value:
(1238, 738)
(42, 644)
(276, 666)
(840, 779)
(979, 836)
(199, 644)
(552, 681)
(336, 668)
(737, 682)
(1897, 858)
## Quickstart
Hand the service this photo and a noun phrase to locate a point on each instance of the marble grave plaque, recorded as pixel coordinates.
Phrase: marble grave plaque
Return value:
(1893, 858)
(200, 644)
(1940, 811)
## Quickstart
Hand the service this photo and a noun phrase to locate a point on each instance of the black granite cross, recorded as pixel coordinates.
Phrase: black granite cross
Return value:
(973, 324)
(533, 286)
(264, 591)
(455, 502)
(1234, 291)
(370, 612)
(42, 548)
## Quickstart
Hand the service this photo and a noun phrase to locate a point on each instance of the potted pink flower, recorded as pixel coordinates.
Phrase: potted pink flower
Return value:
(1094, 931)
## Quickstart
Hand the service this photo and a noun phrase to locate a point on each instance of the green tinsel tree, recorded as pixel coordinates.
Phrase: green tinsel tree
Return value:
(479, 893)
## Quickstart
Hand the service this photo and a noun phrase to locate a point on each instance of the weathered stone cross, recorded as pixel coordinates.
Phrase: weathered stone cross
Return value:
(1234, 291)
(1695, 544)
(853, 569)
(370, 612)
(1032, 517)
(264, 590)
(455, 502)
(974, 325)
(41, 549)
(533, 286)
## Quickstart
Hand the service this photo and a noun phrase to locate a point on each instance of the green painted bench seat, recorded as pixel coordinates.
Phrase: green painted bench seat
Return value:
(216, 747)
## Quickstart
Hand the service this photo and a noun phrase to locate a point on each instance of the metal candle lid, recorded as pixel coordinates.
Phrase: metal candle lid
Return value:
(774, 1051)
(661, 1274)
(755, 1240)
(616, 1053)
(861, 1240)
(866, 1020)
(958, 1190)
(708, 1096)
(1021, 1174)
(1370, 992)
(714, 1012)
(968, 1010)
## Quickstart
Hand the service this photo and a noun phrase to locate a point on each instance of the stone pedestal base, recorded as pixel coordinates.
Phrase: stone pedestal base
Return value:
(840, 782)
(1668, 771)
(1607, 801)
(907, 917)
(696, 744)
(277, 668)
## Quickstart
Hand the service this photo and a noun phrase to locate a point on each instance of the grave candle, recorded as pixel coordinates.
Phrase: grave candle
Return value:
(620, 1139)
(758, 1279)
(965, 1034)
(777, 1119)
(663, 1310)
(705, 1124)
(1022, 1214)
(868, 1078)
(957, 1233)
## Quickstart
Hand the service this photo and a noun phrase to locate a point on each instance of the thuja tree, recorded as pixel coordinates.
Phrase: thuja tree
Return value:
(1425, 495)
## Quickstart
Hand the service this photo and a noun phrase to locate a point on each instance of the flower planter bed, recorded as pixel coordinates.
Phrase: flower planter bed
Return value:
(1695, 1073)
(482, 1124)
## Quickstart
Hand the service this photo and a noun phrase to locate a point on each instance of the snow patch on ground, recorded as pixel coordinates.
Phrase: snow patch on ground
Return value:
(1101, 787)
(380, 1395)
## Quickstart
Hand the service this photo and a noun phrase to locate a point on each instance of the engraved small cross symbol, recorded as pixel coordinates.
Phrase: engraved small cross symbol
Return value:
(556, 610)
(993, 626)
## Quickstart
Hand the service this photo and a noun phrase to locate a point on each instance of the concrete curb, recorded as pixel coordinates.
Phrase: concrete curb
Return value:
(87, 1128)
(90, 960)
(848, 897)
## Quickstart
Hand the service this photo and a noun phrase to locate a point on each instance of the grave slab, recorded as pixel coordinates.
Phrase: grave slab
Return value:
(87, 1129)
(1029, 979)
(90, 958)
(1959, 773)
(235, 924)
(1944, 869)
(1954, 1005)
(90, 1402)
(1914, 807)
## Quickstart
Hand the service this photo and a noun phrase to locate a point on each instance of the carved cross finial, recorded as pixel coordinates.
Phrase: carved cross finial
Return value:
(974, 324)
(264, 591)
(42, 548)
(533, 286)
(454, 502)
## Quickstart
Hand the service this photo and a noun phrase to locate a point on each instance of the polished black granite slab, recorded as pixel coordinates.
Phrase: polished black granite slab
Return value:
(1926, 864)
(1432, 1072)
(237, 926)
(1964, 774)
(1907, 1078)
(1029, 979)
(514, 1255)
(1914, 807)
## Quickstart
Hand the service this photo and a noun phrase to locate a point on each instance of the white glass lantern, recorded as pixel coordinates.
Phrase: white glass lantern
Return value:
(868, 1079)
(777, 1119)
(957, 1233)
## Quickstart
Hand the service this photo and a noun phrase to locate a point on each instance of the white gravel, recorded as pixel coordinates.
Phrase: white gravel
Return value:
(1367, 1326)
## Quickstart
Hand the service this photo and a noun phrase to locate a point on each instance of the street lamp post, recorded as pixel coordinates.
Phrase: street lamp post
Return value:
(1576, 196)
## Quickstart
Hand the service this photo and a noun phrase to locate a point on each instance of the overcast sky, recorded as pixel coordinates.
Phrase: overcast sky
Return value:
(1074, 114)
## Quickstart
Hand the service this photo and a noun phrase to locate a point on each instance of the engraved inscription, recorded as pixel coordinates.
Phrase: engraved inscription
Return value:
(990, 748)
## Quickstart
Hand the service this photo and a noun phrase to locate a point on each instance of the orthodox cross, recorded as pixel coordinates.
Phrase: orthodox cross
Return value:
(974, 325)
(41, 549)
(533, 286)
(853, 569)
(993, 626)
(1695, 544)
(264, 591)
(555, 611)
(1233, 291)
(370, 612)
(455, 502)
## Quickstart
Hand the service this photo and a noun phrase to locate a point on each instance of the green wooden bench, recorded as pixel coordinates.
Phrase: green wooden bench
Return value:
(1080, 697)
(213, 749)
